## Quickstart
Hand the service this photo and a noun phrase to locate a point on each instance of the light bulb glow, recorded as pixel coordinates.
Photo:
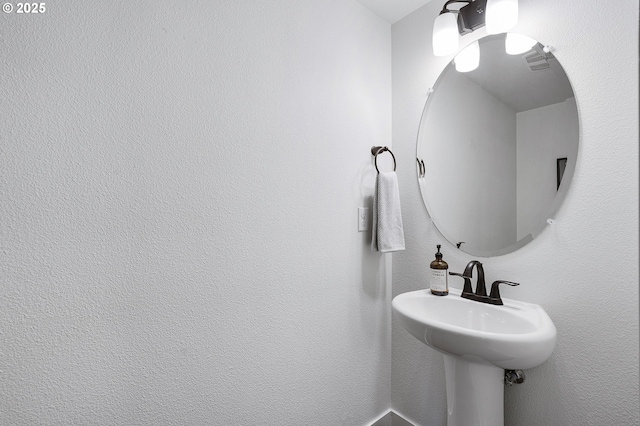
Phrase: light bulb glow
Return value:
(501, 15)
(516, 44)
(445, 34)
(469, 58)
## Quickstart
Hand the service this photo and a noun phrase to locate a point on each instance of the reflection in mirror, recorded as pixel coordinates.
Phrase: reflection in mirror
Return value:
(491, 145)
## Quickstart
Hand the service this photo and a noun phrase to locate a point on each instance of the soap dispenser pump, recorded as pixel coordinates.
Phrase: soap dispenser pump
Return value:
(439, 282)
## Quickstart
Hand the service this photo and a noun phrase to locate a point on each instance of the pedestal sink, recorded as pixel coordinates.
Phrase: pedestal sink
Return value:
(479, 341)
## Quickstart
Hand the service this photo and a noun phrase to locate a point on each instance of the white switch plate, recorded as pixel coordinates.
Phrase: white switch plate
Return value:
(363, 219)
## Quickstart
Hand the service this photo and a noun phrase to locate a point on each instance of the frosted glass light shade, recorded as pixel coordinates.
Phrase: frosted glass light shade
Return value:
(516, 44)
(501, 15)
(469, 58)
(445, 34)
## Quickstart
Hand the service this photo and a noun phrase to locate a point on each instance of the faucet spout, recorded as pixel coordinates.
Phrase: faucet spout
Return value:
(481, 289)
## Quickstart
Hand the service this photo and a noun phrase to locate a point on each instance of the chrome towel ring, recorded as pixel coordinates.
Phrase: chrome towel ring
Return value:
(375, 150)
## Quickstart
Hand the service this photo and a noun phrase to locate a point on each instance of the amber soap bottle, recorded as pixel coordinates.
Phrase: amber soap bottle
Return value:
(439, 280)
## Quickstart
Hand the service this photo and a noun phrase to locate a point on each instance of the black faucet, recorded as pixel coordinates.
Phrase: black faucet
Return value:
(481, 291)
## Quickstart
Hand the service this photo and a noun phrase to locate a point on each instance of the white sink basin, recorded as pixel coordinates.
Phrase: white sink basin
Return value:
(514, 336)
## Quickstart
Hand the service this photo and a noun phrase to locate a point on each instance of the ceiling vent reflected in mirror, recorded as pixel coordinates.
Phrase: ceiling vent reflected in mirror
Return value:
(538, 59)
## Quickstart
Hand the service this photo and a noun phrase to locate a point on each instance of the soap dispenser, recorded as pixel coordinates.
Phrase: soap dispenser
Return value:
(439, 280)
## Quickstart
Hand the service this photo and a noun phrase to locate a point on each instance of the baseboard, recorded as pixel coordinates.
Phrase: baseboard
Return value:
(391, 419)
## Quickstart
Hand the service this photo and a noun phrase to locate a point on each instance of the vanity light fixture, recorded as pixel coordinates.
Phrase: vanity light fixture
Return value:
(502, 15)
(445, 34)
(515, 44)
(498, 15)
(469, 58)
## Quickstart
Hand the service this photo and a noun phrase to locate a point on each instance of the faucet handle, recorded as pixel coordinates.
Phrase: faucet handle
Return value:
(467, 282)
(495, 292)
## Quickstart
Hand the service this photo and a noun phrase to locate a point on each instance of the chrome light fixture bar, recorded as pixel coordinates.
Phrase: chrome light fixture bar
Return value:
(498, 15)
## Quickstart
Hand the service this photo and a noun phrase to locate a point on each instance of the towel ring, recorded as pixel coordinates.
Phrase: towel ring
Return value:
(375, 150)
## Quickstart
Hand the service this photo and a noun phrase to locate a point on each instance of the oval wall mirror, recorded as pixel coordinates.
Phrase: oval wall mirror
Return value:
(497, 147)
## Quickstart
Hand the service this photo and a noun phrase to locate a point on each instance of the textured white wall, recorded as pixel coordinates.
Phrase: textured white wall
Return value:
(583, 270)
(179, 184)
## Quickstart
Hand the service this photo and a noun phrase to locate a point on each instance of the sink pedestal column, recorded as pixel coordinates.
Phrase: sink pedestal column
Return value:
(475, 392)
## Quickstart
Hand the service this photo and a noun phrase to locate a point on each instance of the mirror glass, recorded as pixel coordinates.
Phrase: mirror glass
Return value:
(497, 147)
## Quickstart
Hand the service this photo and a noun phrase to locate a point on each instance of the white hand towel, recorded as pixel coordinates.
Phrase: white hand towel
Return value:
(387, 232)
